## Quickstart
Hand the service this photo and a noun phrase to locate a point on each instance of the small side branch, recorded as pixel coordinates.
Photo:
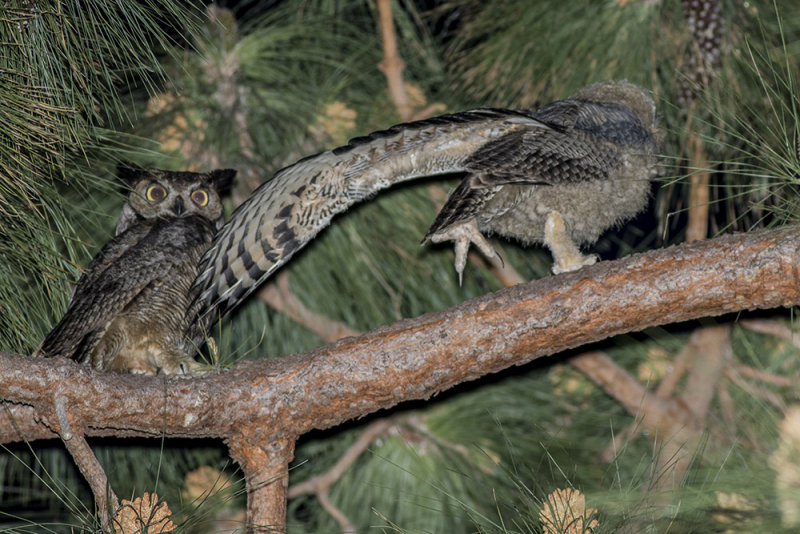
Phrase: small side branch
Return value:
(104, 497)
(392, 65)
(699, 193)
(326, 480)
(659, 415)
(677, 422)
(320, 484)
(772, 328)
(279, 296)
(266, 471)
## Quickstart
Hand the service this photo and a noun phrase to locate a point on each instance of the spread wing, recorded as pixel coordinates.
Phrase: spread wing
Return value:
(288, 211)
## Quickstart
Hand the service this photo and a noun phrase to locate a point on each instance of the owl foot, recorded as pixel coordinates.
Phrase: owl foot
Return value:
(150, 361)
(179, 366)
(566, 255)
(464, 234)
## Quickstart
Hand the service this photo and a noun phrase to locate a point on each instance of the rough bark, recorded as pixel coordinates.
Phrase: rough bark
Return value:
(279, 399)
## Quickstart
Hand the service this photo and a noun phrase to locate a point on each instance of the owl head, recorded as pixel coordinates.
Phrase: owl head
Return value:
(621, 92)
(159, 194)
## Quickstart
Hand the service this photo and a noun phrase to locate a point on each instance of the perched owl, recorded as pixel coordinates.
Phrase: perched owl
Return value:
(560, 174)
(128, 310)
(563, 184)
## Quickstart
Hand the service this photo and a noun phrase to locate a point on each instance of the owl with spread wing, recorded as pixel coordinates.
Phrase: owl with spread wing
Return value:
(559, 175)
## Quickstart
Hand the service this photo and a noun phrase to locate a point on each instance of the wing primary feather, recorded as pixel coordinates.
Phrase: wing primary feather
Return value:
(301, 199)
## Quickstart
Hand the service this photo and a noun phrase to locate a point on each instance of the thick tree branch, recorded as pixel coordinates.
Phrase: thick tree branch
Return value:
(277, 399)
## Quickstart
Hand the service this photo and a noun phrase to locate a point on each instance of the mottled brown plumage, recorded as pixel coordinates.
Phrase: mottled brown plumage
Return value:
(285, 213)
(562, 185)
(128, 310)
(560, 175)
(587, 158)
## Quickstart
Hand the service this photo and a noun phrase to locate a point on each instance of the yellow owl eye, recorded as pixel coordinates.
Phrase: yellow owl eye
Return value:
(155, 193)
(200, 197)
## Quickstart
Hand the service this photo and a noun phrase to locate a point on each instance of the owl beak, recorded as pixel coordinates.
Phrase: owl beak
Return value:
(178, 208)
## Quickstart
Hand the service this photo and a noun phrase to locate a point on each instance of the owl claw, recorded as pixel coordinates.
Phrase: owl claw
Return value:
(576, 263)
(185, 366)
(464, 234)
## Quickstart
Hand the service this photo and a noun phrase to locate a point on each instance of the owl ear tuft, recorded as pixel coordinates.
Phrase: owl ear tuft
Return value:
(222, 179)
(129, 173)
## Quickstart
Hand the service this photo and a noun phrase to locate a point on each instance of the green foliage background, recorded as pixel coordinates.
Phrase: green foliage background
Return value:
(87, 84)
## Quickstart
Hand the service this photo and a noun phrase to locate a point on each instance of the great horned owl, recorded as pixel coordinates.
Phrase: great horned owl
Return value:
(128, 310)
(563, 184)
(568, 170)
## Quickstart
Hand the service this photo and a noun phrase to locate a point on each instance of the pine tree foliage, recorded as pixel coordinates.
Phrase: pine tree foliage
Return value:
(726, 68)
(746, 115)
(60, 98)
(529, 53)
(64, 108)
(256, 88)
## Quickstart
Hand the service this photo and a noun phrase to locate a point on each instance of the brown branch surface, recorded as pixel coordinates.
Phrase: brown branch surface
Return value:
(277, 399)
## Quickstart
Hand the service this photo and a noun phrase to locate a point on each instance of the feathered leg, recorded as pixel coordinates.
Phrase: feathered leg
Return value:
(566, 254)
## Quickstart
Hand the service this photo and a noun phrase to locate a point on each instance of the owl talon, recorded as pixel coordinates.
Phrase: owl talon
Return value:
(190, 367)
(464, 235)
(574, 264)
(185, 366)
